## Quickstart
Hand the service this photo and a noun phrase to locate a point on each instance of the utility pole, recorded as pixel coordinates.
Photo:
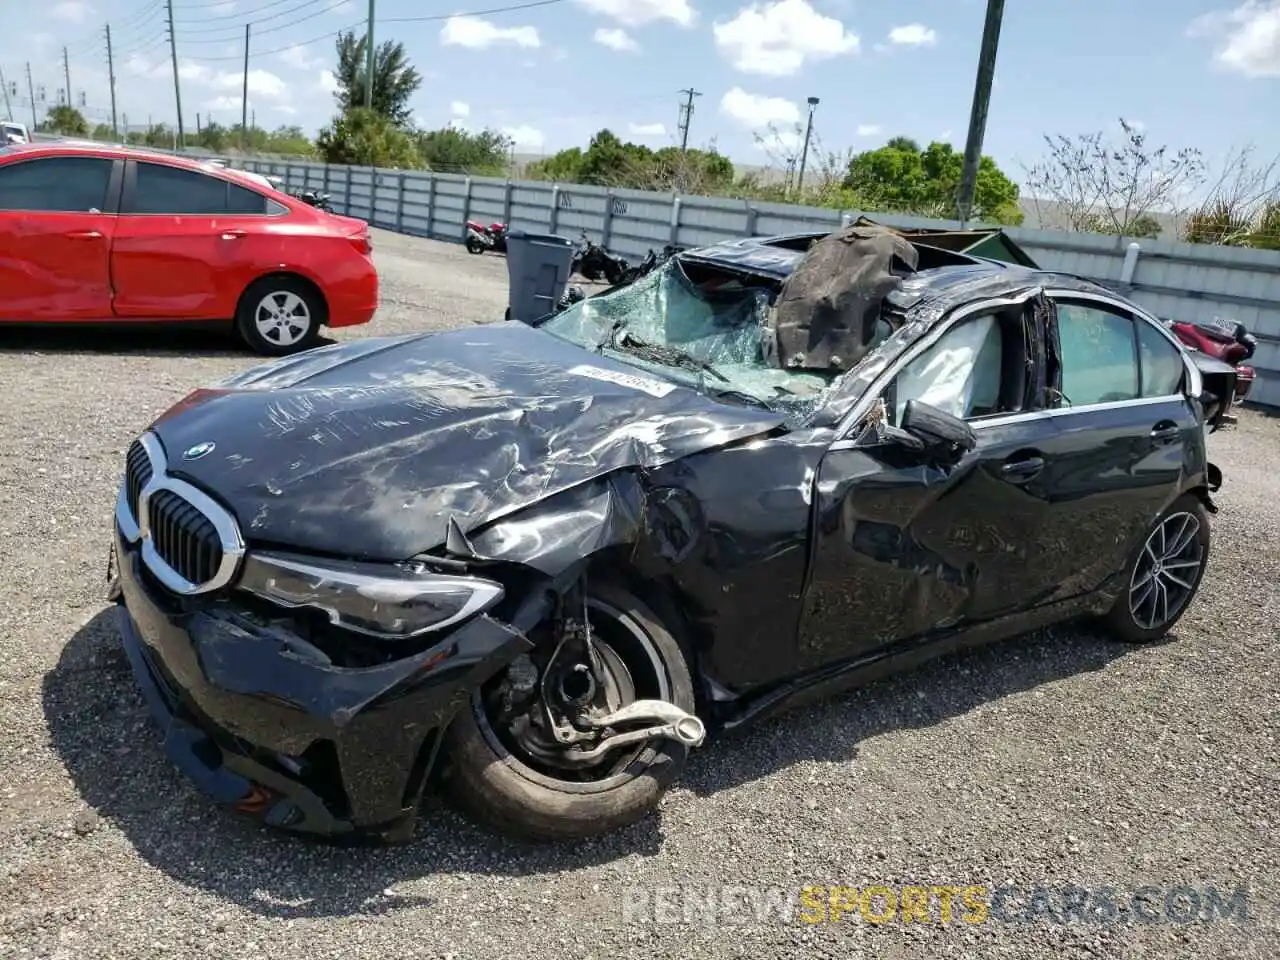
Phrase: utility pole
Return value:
(978, 115)
(368, 59)
(244, 92)
(66, 70)
(686, 114)
(177, 87)
(111, 76)
(31, 89)
(8, 107)
(804, 153)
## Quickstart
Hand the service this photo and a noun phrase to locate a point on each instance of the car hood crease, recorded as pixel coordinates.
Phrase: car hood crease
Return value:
(369, 449)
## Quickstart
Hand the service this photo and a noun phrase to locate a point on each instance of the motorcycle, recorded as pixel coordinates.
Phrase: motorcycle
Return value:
(592, 261)
(481, 238)
(317, 199)
(1225, 340)
(651, 262)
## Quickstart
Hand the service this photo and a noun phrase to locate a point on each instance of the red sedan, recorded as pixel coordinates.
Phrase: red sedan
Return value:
(112, 234)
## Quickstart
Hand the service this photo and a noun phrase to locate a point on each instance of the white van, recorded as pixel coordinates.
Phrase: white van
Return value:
(13, 132)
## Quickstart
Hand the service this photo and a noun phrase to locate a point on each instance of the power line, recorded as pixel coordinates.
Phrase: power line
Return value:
(435, 18)
(187, 35)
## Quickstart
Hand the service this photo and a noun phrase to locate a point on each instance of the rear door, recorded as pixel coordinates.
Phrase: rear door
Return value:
(57, 219)
(1127, 434)
(188, 243)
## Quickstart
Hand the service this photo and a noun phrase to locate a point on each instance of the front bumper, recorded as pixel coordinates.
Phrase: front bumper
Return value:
(300, 744)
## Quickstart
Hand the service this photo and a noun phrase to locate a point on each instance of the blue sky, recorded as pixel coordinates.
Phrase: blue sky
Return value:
(1199, 73)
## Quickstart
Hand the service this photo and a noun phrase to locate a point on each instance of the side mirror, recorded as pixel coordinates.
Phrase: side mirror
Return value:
(937, 432)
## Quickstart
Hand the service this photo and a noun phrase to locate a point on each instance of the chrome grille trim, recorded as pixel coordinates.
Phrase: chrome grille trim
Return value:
(134, 521)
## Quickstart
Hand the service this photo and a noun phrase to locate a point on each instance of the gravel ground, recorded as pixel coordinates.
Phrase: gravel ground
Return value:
(1057, 759)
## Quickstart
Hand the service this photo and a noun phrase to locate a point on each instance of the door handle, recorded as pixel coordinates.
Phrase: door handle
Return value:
(1021, 469)
(1165, 432)
(232, 234)
(84, 235)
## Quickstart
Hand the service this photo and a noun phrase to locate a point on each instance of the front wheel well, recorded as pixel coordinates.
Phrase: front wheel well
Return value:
(311, 286)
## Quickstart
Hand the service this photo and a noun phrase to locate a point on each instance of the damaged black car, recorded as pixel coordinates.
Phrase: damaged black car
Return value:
(534, 565)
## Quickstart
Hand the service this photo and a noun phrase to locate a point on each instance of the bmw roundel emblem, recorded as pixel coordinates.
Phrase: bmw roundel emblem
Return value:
(199, 450)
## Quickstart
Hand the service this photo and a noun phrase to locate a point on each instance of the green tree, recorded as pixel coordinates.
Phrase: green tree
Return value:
(611, 162)
(452, 150)
(102, 131)
(67, 121)
(562, 167)
(902, 177)
(367, 138)
(395, 80)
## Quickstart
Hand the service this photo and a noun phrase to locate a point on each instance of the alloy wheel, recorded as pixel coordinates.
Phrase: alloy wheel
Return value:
(1165, 576)
(283, 318)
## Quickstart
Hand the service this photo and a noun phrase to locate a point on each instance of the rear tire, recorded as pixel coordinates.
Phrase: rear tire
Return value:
(1163, 576)
(280, 315)
(475, 245)
(498, 788)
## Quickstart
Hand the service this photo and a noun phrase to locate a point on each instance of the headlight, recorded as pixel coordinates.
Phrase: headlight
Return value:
(376, 599)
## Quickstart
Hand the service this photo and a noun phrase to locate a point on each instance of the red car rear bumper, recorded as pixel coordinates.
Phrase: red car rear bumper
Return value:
(353, 298)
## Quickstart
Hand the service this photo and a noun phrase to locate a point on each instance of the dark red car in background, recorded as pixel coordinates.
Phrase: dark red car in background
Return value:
(100, 233)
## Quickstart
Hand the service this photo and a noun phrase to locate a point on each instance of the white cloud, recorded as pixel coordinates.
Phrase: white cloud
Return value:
(327, 81)
(262, 83)
(868, 129)
(71, 11)
(343, 9)
(775, 39)
(636, 13)
(526, 136)
(648, 130)
(913, 35)
(476, 33)
(755, 112)
(298, 58)
(460, 109)
(1248, 37)
(945, 136)
(615, 39)
(221, 9)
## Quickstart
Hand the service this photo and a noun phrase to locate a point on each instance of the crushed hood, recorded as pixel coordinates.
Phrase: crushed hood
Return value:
(368, 449)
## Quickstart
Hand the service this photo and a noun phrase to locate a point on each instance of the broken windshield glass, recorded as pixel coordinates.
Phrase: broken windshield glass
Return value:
(712, 338)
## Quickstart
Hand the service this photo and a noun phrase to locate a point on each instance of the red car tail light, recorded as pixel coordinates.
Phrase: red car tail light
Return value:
(362, 242)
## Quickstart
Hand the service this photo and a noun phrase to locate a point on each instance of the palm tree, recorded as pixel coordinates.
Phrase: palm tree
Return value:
(394, 79)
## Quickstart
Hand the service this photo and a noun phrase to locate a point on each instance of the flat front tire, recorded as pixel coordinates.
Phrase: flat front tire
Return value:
(1164, 575)
(500, 789)
(279, 316)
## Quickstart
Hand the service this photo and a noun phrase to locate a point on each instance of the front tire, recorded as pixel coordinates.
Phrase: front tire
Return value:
(503, 788)
(1164, 575)
(279, 316)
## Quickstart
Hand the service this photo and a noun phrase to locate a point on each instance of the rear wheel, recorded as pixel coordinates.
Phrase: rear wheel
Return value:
(475, 245)
(280, 315)
(1164, 575)
(508, 771)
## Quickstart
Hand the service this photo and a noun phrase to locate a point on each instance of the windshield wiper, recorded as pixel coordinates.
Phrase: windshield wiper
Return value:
(664, 354)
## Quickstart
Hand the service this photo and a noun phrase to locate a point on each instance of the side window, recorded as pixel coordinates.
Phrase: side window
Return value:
(1162, 367)
(1099, 362)
(242, 201)
(56, 185)
(960, 374)
(171, 190)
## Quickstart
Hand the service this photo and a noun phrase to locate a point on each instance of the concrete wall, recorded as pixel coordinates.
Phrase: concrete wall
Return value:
(1177, 280)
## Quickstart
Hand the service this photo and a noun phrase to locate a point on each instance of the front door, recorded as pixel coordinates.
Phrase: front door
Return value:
(904, 549)
(57, 219)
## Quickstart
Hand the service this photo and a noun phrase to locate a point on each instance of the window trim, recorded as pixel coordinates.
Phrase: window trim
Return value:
(115, 183)
(1194, 384)
(131, 189)
(859, 411)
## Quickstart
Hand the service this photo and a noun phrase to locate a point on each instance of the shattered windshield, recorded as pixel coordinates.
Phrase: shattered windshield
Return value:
(711, 339)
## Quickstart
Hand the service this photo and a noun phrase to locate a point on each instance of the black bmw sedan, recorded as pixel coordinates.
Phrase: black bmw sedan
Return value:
(535, 565)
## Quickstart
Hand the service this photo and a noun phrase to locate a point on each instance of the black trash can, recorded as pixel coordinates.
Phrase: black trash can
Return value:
(537, 273)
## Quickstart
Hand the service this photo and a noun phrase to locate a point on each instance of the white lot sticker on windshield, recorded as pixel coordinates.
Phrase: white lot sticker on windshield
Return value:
(656, 388)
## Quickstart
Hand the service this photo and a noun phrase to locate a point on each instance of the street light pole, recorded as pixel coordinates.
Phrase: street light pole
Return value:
(804, 153)
(978, 115)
